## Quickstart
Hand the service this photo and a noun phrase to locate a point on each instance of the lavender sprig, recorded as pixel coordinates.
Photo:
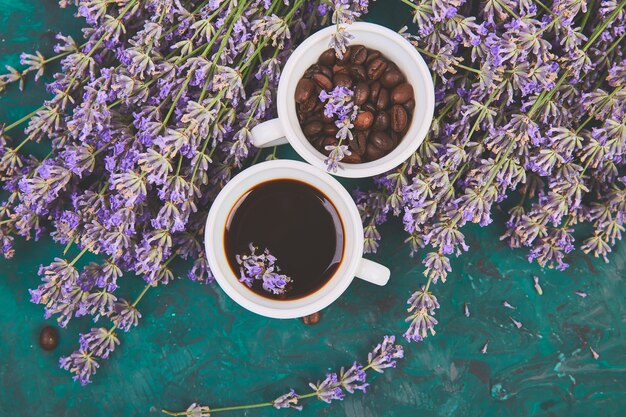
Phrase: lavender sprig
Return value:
(100, 342)
(332, 388)
(262, 267)
(339, 105)
(344, 13)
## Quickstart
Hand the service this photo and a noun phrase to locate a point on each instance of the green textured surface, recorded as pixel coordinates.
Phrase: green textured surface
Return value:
(194, 344)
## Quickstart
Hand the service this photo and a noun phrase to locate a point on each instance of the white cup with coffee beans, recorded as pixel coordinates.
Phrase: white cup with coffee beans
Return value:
(386, 84)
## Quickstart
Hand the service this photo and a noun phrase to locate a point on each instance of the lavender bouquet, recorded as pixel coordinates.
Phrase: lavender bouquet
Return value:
(148, 119)
(531, 105)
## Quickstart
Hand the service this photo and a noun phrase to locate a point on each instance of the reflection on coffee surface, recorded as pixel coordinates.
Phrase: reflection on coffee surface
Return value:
(284, 239)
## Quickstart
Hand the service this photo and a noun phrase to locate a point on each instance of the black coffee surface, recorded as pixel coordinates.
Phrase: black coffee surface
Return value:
(300, 227)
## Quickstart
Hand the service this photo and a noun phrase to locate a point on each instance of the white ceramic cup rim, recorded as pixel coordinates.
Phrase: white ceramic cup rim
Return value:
(353, 240)
(399, 50)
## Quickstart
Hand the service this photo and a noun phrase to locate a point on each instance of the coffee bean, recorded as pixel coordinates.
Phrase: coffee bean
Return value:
(330, 129)
(361, 93)
(376, 68)
(358, 72)
(353, 158)
(372, 54)
(327, 119)
(312, 129)
(48, 338)
(346, 56)
(383, 99)
(311, 319)
(391, 78)
(402, 93)
(327, 58)
(340, 69)
(342, 80)
(399, 118)
(326, 71)
(359, 142)
(310, 71)
(392, 66)
(396, 137)
(328, 140)
(409, 105)
(381, 140)
(373, 153)
(369, 107)
(309, 104)
(374, 91)
(381, 121)
(323, 81)
(317, 142)
(319, 106)
(304, 89)
(359, 55)
(364, 120)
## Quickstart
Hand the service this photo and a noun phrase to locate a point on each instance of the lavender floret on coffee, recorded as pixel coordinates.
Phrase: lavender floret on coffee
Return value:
(355, 109)
(262, 267)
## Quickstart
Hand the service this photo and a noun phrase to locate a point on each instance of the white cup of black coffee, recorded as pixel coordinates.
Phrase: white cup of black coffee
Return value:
(306, 220)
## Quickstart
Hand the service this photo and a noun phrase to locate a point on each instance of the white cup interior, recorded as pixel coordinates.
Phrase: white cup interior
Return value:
(395, 48)
(216, 225)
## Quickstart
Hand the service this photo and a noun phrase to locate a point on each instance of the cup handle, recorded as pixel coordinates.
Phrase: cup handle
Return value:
(373, 272)
(268, 134)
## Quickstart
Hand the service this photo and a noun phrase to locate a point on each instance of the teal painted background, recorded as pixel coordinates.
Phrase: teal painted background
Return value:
(194, 344)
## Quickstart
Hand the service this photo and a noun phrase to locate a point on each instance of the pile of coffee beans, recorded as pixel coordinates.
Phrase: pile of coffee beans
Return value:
(385, 100)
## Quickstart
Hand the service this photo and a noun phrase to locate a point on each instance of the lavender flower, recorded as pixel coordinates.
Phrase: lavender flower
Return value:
(338, 105)
(99, 341)
(328, 390)
(125, 315)
(385, 354)
(517, 323)
(197, 410)
(345, 125)
(422, 321)
(82, 364)
(340, 40)
(345, 12)
(338, 102)
(336, 154)
(263, 268)
(354, 378)
(288, 400)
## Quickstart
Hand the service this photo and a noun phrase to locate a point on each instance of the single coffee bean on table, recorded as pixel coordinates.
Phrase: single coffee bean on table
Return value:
(48, 338)
(385, 101)
(311, 319)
